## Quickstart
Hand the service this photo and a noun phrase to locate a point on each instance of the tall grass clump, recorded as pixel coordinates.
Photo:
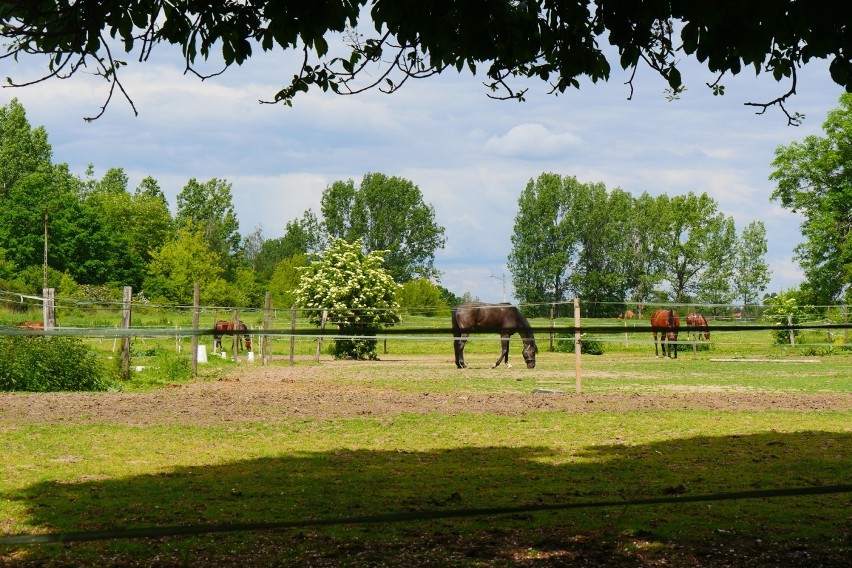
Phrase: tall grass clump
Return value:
(44, 364)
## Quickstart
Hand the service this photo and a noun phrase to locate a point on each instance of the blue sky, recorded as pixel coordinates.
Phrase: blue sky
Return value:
(470, 156)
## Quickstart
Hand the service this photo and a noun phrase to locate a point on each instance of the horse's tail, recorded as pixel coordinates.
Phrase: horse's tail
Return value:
(454, 321)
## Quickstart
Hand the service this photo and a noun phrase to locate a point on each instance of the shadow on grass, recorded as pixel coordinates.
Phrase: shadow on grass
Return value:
(811, 530)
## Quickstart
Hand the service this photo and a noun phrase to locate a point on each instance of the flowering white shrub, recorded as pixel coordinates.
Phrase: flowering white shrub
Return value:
(358, 293)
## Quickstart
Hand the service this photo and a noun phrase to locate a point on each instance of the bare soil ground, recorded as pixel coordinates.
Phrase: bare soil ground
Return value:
(272, 394)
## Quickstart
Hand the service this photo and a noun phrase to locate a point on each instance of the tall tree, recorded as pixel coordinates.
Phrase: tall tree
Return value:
(557, 43)
(543, 241)
(697, 241)
(814, 179)
(23, 149)
(386, 214)
(153, 224)
(602, 220)
(179, 264)
(644, 240)
(208, 207)
(751, 272)
(301, 237)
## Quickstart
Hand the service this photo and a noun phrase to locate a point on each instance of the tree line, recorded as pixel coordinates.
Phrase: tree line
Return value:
(570, 239)
(103, 235)
(574, 239)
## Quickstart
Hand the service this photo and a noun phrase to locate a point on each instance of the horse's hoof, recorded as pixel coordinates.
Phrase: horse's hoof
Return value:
(508, 366)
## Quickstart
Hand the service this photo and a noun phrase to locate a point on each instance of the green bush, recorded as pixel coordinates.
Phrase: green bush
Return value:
(565, 344)
(45, 364)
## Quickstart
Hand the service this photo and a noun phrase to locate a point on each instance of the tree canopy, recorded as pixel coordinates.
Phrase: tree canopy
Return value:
(574, 239)
(387, 42)
(386, 214)
(814, 178)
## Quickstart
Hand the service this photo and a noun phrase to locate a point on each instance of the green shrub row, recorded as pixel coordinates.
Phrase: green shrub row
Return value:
(44, 364)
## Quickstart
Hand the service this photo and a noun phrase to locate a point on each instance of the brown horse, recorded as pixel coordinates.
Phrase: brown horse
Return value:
(627, 315)
(665, 322)
(225, 325)
(31, 325)
(504, 319)
(698, 323)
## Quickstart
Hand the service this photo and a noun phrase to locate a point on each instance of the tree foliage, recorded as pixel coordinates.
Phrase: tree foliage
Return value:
(421, 296)
(697, 242)
(574, 239)
(387, 214)
(179, 264)
(387, 42)
(814, 179)
(751, 273)
(358, 294)
(209, 208)
(301, 237)
(284, 283)
(542, 241)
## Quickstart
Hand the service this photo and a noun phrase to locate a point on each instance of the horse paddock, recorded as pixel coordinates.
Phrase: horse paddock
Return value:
(408, 435)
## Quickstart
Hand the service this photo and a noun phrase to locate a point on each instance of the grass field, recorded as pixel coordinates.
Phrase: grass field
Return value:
(462, 467)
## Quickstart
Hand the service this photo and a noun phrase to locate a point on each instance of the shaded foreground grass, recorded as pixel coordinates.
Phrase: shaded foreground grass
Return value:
(101, 476)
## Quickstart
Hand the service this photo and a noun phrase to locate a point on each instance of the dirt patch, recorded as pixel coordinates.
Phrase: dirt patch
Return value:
(340, 390)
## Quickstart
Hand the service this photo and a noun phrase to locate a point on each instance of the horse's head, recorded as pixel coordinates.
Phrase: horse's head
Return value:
(530, 349)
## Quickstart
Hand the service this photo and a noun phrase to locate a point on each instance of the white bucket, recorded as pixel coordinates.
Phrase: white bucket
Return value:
(224, 355)
(251, 356)
(202, 353)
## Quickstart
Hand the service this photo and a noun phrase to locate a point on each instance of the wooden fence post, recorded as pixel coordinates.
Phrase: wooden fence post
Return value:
(236, 343)
(292, 335)
(196, 294)
(267, 304)
(577, 346)
(790, 331)
(552, 321)
(48, 308)
(125, 325)
(322, 329)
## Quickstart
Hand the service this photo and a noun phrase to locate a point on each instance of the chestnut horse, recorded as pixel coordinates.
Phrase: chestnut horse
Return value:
(504, 319)
(697, 322)
(225, 325)
(665, 322)
(31, 325)
(627, 315)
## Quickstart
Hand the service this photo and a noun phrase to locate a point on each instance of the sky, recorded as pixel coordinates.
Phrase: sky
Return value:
(471, 156)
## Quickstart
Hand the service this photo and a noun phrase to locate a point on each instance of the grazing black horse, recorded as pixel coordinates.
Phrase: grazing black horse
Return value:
(504, 319)
(225, 325)
(666, 323)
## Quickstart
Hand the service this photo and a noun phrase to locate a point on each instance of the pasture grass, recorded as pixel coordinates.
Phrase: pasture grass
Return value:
(105, 476)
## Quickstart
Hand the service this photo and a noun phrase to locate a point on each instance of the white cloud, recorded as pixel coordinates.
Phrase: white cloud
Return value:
(531, 142)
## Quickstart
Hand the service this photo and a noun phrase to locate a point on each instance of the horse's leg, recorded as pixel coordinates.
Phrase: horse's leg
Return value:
(675, 349)
(458, 344)
(504, 351)
(656, 350)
